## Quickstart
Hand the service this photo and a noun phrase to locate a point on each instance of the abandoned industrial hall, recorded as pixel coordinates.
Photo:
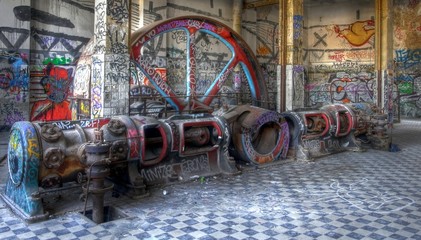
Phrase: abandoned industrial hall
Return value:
(210, 119)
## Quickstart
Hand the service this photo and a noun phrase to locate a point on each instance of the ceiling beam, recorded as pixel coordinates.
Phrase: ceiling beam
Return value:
(259, 3)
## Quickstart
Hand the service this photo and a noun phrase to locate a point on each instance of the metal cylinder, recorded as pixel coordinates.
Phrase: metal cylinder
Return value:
(98, 202)
(96, 158)
(259, 135)
(344, 119)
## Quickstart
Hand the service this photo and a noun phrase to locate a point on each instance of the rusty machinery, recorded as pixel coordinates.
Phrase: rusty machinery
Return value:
(372, 125)
(123, 155)
(322, 131)
(48, 159)
(334, 128)
(258, 135)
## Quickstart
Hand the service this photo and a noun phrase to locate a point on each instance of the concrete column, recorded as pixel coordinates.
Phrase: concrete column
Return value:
(290, 69)
(237, 11)
(110, 61)
(384, 52)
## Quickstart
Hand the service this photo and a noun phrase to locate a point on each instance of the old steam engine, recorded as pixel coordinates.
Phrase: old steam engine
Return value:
(52, 163)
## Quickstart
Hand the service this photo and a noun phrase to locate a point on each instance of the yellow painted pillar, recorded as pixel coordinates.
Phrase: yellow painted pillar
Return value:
(237, 11)
(136, 15)
(384, 51)
(141, 4)
(294, 30)
(290, 68)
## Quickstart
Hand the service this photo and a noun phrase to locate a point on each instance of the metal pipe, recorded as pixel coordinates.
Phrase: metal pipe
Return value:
(97, 154)
(98, 201)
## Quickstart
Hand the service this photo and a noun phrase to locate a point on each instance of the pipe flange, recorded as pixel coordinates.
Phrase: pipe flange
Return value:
(81, 153)
(98, 172)
(96, 152)
(116, 126)
(50, 132)
(53, 158)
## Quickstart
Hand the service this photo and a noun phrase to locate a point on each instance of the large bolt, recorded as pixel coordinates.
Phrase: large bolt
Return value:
(116, 126)
(50, 132)
(53, 158)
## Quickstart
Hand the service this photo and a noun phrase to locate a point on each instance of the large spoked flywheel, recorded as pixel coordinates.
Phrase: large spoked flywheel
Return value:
(192, 61)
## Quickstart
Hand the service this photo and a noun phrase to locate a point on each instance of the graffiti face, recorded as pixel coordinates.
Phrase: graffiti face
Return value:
(56, 83)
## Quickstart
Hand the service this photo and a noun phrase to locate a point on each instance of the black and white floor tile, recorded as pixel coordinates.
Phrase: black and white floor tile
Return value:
(351, 195)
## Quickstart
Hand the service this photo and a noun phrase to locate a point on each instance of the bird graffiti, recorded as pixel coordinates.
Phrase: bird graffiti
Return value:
(357, 33)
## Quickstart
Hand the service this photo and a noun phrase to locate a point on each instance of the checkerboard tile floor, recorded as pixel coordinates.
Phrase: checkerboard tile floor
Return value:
(351, 195)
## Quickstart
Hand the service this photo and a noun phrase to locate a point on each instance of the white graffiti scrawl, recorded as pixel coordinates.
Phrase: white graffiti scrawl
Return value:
(356, 196)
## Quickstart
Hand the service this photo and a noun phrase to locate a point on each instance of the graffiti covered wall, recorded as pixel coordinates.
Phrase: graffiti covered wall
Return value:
(38, 52)
(407, 52)
(39, 44)
(60, 30)
(14, 66)
(265, 31)
(340, 53)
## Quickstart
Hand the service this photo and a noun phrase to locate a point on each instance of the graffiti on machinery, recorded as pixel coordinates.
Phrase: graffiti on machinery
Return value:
(88, 123)
(189, 166)
(317, 144)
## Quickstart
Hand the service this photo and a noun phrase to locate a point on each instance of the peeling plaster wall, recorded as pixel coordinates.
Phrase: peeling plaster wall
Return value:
(217, 9)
